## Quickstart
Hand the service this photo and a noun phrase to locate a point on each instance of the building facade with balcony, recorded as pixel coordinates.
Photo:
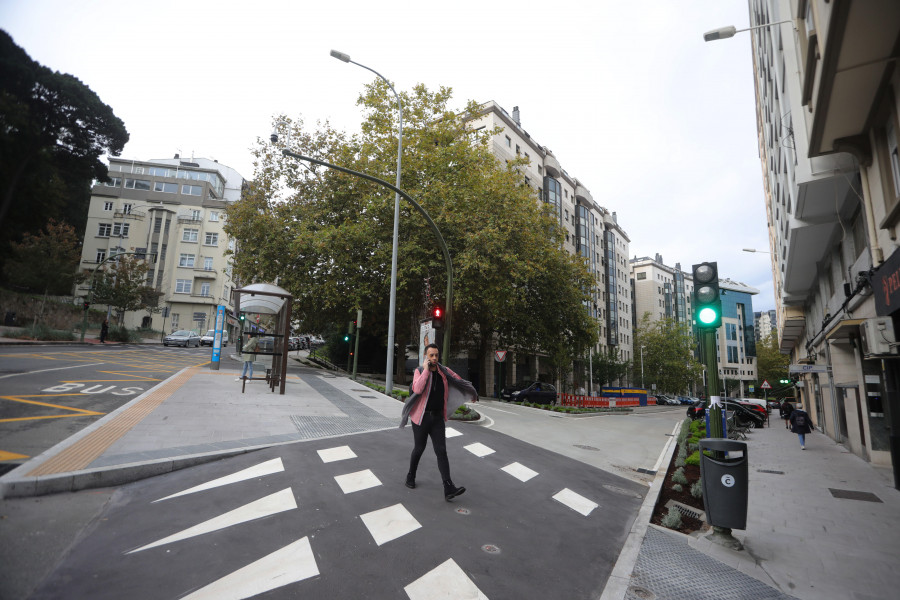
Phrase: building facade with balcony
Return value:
(591, 231)
(173, 212)
(660, 291)
(765, 325)
(827, 89)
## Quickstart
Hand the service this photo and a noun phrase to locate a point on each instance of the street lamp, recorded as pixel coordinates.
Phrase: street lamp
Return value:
(642, 367)
(754, 250)
(389, 377)
(726, 32)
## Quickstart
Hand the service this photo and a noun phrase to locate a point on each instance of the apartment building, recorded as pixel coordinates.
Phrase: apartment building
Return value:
(765, 324)
(827, 89)
(591, 231)
(173, 212)
(664, 292)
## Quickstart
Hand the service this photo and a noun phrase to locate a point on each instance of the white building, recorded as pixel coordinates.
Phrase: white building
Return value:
(827, 90)
(590, 231)
(172, 211)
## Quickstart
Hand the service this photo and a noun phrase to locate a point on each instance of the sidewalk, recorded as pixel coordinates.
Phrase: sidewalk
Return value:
(822, 524)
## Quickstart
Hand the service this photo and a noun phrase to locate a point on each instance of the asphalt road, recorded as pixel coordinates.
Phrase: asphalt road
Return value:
(49, 393)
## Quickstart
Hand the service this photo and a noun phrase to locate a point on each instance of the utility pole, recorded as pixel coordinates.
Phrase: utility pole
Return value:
(356, 343)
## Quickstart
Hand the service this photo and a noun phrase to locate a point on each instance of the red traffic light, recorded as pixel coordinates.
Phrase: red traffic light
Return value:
(438, 313)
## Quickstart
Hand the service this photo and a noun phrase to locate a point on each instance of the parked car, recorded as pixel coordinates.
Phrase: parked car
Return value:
(686, 400)
(697, 410)
(294, 343)
(507, 392)
(538, 392)
(753, 405)
(670, 400)
(210, 338)
(659, 400)
(744, 415)
(773, 405)
(182, 337)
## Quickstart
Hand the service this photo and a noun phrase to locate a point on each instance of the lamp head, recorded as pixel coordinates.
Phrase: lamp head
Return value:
(340, 56)
(719, 34)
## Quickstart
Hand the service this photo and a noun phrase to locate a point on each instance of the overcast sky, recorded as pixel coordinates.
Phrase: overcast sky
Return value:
(659, 125)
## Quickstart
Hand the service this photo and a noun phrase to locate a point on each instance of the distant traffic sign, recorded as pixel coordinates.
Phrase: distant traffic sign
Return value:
(500, 355)
(765, 385)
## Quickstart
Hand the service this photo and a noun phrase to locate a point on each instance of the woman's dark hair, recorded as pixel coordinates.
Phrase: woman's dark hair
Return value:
(435, 346)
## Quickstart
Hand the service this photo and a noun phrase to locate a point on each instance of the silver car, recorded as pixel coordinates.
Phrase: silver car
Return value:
(182, 337)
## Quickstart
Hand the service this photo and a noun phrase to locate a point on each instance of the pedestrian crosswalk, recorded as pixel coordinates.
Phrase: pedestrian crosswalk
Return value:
(355, 476)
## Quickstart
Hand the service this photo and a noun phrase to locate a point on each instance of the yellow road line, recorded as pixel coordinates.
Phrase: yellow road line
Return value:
(79, 412)
(10, 455)
(83, 452)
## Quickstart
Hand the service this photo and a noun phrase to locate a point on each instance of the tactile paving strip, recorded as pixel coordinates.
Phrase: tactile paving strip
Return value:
(672, 570)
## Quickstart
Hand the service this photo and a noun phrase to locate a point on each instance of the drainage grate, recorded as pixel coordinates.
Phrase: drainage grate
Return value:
(854, 495)
(586, 447)
(646, 471)
(688, 511)
(769, 471)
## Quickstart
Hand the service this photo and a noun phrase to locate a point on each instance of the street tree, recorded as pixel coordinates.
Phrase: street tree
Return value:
(668, 354)
(46, 262)
(771, 364)
(327, 236)
(123, 286)
(608, 366)
(53, 132)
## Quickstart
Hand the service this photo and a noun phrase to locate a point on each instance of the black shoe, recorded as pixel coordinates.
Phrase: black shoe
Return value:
(451, 491)
(411, 481)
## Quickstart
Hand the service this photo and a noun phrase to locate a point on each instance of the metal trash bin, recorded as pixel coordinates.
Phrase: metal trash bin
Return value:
(725, 483)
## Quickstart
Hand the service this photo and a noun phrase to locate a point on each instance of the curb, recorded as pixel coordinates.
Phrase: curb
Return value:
(620, 577)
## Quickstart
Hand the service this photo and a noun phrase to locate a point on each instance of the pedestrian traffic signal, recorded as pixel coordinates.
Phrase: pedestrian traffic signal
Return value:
(707, 298)
(87, 305)
(346, 337)
(242, 317)
(437, 317)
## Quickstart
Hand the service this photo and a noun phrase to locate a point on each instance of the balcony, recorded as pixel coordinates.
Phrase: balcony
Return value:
(137, 215)
(189, 219)
(551, 166)
(792, 328)
(201, 273)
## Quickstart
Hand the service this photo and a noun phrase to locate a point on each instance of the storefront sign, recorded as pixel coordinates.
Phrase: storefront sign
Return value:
(808, 369)
(885, 282)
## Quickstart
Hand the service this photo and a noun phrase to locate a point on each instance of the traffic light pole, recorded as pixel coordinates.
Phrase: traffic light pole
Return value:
(713, 407)
(356, 343)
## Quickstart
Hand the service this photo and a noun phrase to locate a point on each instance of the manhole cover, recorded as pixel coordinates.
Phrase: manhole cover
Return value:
(491, 549)
(463, 511)
(622, 491)
(636, 591)
(583, 447)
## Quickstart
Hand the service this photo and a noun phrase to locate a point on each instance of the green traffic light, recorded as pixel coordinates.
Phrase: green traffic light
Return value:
(707, 316)
(346, 338)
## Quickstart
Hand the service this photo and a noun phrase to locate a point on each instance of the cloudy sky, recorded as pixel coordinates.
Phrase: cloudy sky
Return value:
(659, 125)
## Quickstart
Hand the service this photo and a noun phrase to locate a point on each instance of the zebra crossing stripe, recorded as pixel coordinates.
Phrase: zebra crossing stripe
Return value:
(447, 580)
(267, 468)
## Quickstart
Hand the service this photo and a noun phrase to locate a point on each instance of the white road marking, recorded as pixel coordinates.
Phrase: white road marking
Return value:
(446, 580)
(450, 432)
(53, 369)
(334, 454)
(293, 563)
(389, 523)
(666, 447)
(479, 449)
(267, 468)
(264, 507)
(519, 471)
(576, 502)
(509, 412)
(354, 482)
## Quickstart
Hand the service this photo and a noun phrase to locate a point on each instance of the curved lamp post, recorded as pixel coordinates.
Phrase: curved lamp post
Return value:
(389, 376)
(90, 295)
(448, 320)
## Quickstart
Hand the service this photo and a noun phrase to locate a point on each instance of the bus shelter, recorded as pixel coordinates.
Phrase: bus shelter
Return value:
(267, 299)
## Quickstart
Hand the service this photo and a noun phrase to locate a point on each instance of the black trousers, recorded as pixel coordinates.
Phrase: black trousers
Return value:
(432, 425)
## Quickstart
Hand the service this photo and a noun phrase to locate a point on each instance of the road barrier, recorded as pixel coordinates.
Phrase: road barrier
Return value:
(597, 401)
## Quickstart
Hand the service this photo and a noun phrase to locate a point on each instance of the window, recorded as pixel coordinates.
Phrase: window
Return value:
(213, 215)
(161, 172)
(192, 190)
(204, 289)
(101, 255)
(231, 245)
(174, 321)
(137, 184)
(195, 215)
(183, 286)
(508, 142)
(168, 188)
(157, 225)
(891, 134)
(107, 206)
(212, 239)
(518, 150)
(120, 229)
(126, 208)
(190, 235)
(113, 182)
(641, 276)
(104, 229)
(208, 263)
(186, 260)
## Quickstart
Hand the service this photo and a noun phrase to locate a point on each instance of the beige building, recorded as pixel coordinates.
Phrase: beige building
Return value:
(173, 212)
(591, 231)
(827, 90)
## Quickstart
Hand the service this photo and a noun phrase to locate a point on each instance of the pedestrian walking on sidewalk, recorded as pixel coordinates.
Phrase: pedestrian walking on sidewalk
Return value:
(436, 393)
(801, 424)
(785, 411)
(104, 331)
(248, 355)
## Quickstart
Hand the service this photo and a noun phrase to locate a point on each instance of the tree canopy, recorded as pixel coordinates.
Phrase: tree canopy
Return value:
(53, 131)
(327, 236)
(668, 355)
(46, 261)
(123, 286)
(772, 366)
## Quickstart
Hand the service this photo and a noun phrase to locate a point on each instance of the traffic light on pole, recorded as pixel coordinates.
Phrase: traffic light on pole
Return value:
(87, 305)
(437, 317)
(242, 318)
(707, 297)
